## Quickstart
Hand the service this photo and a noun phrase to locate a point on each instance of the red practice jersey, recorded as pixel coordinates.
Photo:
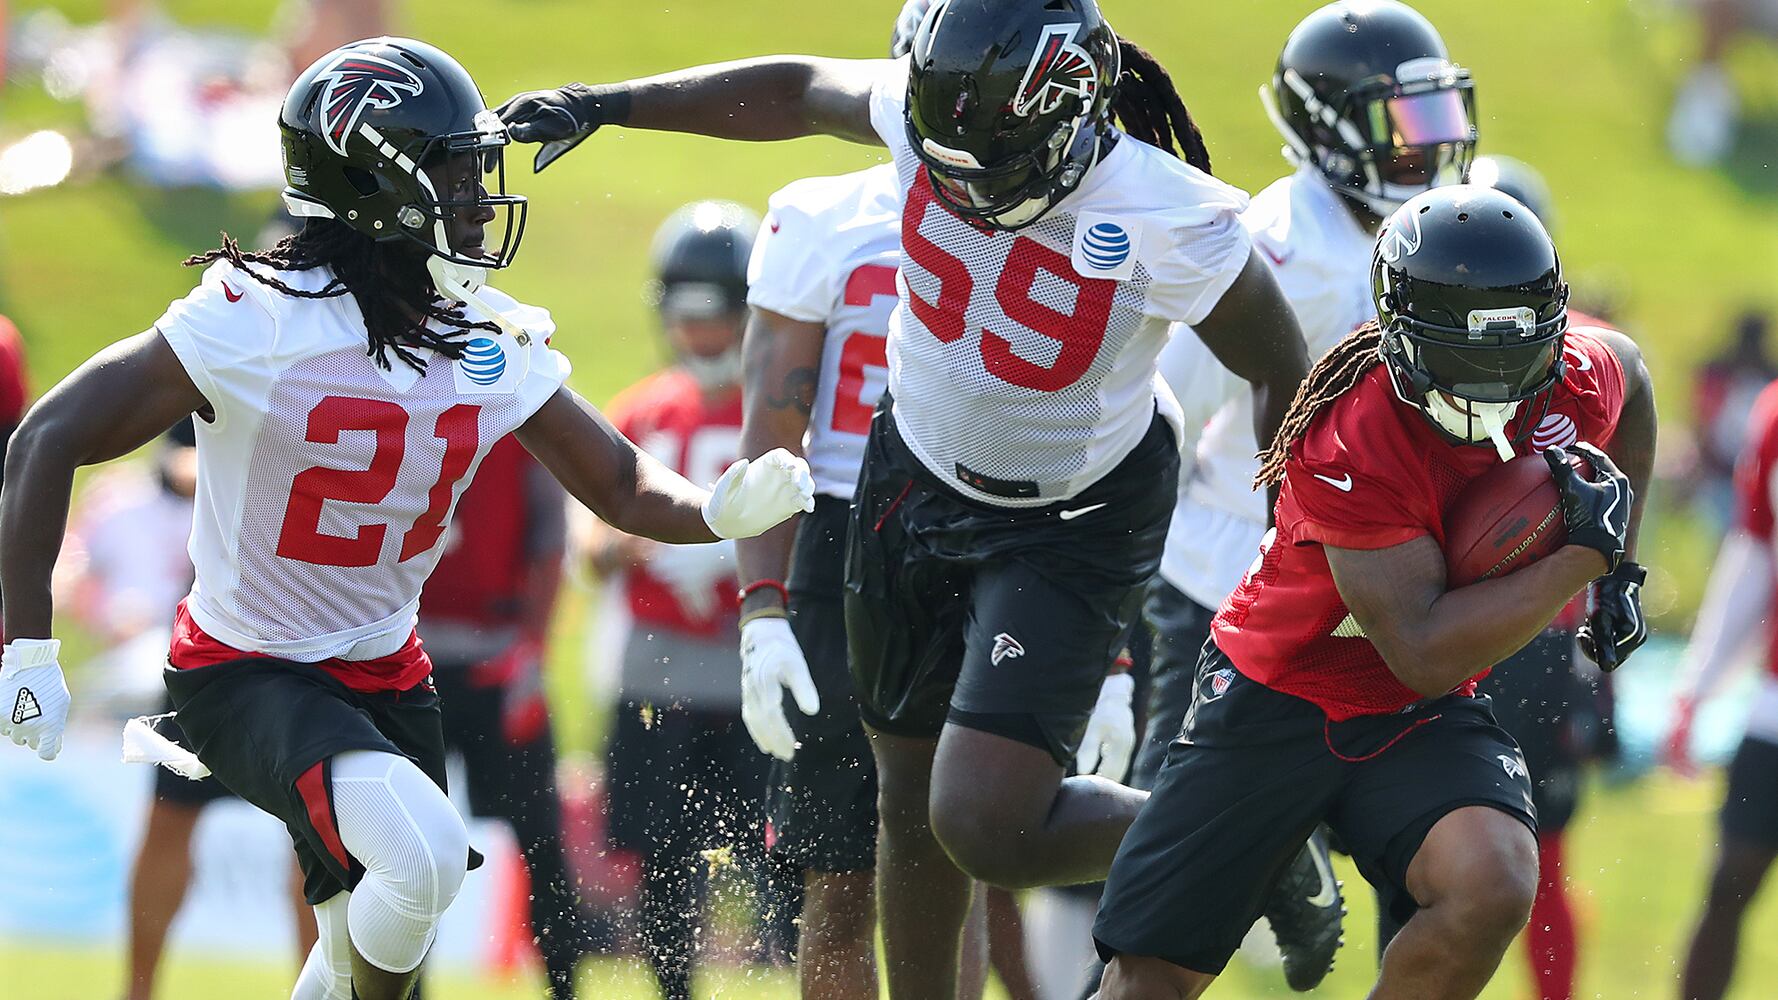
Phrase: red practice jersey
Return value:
(698, 437)
(1756, 475)
(1372, 472)
(12, 376)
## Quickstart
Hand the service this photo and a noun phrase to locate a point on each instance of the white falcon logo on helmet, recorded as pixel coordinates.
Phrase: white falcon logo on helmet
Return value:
(356, 81)
(1058, 68)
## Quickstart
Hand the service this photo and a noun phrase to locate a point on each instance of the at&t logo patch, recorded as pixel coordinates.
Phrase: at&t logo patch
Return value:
(1105, 247)
(490, 363)
(483, 361)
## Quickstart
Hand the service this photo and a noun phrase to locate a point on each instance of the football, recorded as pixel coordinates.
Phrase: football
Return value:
(1508, 518)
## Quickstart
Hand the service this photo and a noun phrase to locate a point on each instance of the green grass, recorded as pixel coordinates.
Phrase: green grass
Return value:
(1580, 89)
(1640, 853)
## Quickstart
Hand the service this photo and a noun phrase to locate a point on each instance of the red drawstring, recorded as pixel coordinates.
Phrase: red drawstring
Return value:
(899, 497)
(1327, 738)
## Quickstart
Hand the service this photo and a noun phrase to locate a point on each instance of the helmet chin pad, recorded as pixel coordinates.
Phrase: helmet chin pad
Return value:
(1473, 422)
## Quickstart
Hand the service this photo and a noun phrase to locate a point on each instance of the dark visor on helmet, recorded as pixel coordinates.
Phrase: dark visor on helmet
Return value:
(1418, 132)
(1489, 367)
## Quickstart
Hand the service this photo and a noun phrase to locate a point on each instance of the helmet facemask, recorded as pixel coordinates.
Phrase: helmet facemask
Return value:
(1471, 383)
(1391, 138)
(1017, 191)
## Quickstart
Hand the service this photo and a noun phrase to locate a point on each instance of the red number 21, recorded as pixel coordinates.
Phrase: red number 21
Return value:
(301, 537)
(1079, 332)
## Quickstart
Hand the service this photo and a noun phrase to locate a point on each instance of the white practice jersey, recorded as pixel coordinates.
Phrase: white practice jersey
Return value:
(325, 483)
(1026, 360)
(1321, 257)
(828, 254)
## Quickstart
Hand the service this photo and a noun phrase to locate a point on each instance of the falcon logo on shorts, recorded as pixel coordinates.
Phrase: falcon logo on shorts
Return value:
(1058, 68)
(1513, 766)
(1217, 684)
(357, 82)
(1005, 648)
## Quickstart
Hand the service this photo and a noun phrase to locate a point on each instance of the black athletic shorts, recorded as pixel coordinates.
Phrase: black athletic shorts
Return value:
(1254, 773)
(1000, 619)
(176, 788)
(1534, 693)
(821, 806)
(1750, 807)
(269, 729)
(1180, 627)
(683, 780)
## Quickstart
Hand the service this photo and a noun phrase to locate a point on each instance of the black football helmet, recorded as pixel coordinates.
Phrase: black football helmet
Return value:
(1365, 92)
(360, 124)
(1007, 103)
(1473, 309)
(700, 259)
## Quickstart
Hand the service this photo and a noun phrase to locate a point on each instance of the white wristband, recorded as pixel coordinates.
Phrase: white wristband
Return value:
(22, 653)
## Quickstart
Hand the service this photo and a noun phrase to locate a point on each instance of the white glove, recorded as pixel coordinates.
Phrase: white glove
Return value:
(1111, 731)
(901, 40)
(754, 496)
(33, 695)
(770, 662)
(692, 571)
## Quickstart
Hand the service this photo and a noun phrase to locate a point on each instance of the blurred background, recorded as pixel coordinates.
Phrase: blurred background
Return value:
(132, 133)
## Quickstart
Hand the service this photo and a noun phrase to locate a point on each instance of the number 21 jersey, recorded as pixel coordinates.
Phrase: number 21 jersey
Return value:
(325, 482)
(1023, 363)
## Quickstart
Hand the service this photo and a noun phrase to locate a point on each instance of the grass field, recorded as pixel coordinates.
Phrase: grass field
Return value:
(1639, 856)
(1580, 89)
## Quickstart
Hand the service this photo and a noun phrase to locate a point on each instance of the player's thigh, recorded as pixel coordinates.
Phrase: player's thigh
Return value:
(904, 604)
(1038, 646)
(1750, 799)
(1228, 812)
(1408, 772)
(1180, 627)
(268, 729)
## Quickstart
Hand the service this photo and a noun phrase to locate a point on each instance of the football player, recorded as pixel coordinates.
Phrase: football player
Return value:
(1735, 616)
(1019, 474)
(348, 383)
(1339, 682)
(1373, 112)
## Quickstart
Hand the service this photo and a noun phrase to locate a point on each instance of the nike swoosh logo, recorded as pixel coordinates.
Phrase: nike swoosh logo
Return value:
(1069, 515)
(1343, 485)
(230, 294)
(1581, 361)
(1330, 890)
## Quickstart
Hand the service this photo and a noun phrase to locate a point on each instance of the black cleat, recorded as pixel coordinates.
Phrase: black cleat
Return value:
(1305, 910)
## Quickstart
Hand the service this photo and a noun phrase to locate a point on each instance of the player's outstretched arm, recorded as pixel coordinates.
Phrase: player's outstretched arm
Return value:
(636, 494)
(1253, 332)
(775, 97)
(115, 403)
(1433, 639)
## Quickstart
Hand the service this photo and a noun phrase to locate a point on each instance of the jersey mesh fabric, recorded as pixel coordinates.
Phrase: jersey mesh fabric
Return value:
(1756, 474)
(828, 253)
(697, 436)
(307, 422)
(1042, 373)
(1371, 473)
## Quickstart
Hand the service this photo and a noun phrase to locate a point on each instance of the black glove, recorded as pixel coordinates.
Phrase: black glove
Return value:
(1615, 626)
(561, 118)
(1597, 510)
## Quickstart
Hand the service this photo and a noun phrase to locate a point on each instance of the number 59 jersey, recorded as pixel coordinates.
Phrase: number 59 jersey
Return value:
(325, 483)
(1023, 363)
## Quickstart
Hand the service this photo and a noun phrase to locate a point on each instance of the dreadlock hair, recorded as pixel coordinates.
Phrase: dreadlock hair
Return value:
(1336, 373)
(389, 281)
(1149, 107)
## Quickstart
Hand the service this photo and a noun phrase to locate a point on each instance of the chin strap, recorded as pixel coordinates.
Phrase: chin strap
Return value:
(460, 282)
(1493, 420)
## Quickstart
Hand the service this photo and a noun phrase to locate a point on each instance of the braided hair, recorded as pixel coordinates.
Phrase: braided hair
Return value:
(1335, 374)
(1149, 107)
(390, 283)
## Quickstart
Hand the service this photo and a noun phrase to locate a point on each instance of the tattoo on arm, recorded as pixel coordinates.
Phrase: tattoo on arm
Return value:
(797, 391)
